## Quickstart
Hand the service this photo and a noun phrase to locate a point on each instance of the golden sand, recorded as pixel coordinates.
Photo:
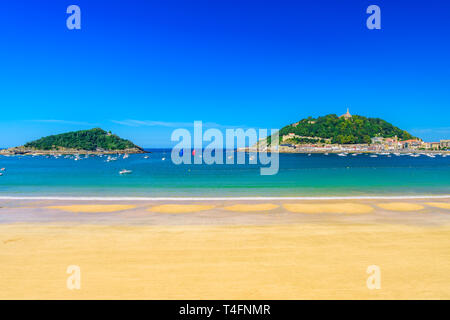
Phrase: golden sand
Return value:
(251, 207)
(349, 208)
(180, 208)
(441, 205)
(400, 206)
(89, 208)
(307, 261)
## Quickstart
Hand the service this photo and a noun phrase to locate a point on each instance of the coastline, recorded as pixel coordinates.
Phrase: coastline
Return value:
(9, 152)
(349, 151)
(106, 198)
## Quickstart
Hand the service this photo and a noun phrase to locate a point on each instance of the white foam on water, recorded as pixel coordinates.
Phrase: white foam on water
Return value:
(219, 198)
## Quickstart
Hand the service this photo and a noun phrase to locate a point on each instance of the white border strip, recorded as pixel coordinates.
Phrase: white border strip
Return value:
(219, 198)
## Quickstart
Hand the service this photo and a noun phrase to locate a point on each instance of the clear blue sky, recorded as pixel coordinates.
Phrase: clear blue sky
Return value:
(260, 64)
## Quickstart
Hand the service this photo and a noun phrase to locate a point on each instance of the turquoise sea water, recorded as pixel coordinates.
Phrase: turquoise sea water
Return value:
(299, 175)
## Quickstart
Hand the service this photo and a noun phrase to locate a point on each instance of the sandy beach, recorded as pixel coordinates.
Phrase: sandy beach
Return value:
(277, 249)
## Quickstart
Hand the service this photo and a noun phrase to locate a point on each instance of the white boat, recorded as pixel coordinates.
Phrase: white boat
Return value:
(146, 157)
(414, 155)
(1, 174)
(2, 169)
(342, 154)
(125, 155)
(354, 154)
(125, 171)
(163, 159)
(373, 156)
(430, 155)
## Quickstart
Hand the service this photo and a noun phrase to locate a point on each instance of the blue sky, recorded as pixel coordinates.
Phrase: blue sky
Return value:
(142, 68)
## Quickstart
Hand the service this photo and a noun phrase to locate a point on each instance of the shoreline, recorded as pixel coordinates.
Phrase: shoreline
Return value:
(349, 151)
(74, 198)
(9, 152)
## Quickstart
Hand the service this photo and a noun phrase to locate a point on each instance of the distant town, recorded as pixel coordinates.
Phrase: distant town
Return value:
(294, 143)
(378, 144)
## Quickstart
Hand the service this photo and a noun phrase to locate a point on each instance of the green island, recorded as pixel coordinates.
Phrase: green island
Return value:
(94, 140)
(342, 130)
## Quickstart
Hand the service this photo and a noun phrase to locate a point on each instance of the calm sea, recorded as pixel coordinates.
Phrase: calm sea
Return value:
(299, 175)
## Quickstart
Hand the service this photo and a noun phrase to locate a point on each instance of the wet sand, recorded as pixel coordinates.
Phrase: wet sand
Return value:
(93, 208)
(215, 253)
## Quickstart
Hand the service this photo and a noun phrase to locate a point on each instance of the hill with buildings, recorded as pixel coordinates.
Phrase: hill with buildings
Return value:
(346, 129)
(83, 141)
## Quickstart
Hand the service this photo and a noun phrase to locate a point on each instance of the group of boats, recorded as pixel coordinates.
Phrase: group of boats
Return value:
(110, 158)
(397, 154)
(78, 157)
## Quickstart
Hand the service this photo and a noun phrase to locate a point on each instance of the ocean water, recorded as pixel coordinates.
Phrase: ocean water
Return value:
(299, 175)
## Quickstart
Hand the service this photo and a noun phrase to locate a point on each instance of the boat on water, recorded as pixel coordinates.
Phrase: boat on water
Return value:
(163, 159)
(126, 155)
(125, 171)
(2, 169)
(146, 157)
(414, 155)
(342, 154)
(1, 173)
(111, 159)
(373, 156)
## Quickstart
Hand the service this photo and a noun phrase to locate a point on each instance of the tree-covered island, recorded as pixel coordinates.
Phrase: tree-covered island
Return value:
(84, 141)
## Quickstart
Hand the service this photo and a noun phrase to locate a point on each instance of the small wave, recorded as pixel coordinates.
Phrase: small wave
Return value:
(218, 198)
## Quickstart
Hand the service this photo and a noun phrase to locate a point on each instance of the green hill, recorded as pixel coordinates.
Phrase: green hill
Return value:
(89, 140)
(341, 130)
